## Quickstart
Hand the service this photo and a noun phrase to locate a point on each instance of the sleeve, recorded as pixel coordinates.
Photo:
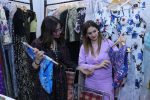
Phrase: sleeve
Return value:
(82, 59)
(34, 44)
(66, 58)
(115, 53)
(115, 48)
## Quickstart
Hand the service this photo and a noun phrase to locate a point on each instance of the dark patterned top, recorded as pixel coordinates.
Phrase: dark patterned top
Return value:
(59, 91)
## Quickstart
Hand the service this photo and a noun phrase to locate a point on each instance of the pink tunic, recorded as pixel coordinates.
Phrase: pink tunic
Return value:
(101, 80)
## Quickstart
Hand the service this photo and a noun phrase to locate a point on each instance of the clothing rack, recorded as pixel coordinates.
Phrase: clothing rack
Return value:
(45, 4)
(31, 3)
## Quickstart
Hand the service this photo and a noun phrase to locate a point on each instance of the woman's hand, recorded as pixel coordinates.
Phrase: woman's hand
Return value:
(87, 72)
(39, 55)
(104, 64)
(121, 40)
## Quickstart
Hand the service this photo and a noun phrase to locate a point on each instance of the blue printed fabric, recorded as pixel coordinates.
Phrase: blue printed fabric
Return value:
(46, 70)
(46, 74)
(119, 60)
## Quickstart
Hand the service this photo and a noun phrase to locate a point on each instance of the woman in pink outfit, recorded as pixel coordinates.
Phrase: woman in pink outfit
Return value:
(94, 61)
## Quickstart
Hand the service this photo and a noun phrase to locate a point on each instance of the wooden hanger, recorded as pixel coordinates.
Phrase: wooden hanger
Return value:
(24, 8)
(121, 36)
(118, 4)
(126, 2)
(80, 4)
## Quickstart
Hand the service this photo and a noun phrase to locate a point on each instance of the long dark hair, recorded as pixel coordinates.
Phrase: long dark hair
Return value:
(86, 41)
(48, 26)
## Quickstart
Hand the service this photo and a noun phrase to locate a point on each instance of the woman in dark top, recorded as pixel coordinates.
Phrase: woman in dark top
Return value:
(51, 43)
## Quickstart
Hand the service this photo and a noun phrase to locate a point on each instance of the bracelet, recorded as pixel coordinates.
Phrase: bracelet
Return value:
(36, 63)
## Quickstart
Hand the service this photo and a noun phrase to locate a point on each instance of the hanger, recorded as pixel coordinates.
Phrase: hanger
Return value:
(118, 4)
(80, 4)
(63, 7)
(24, 8)
(126, 2)
(113, 7)
(118, 41)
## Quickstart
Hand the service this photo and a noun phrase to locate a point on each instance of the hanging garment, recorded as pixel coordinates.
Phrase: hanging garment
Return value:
(74, 48)
(21, 23)
(63, 17)
(4, 30)
(135, 74)
(12, 9)
(90, 14)
(23, 73)
(76, 28)
(147, 40)
(2, 85)
(23, 70)
(9, 68)
(7, 51)
(119, 60)
(145, 91)
(33, 26)
(80, 19)
(70, 34)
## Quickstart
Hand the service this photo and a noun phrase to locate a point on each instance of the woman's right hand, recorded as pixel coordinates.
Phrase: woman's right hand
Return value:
(39, 55)
(105, 64)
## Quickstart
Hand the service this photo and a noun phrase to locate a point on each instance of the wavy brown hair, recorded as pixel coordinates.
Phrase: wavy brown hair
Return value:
(86, 41)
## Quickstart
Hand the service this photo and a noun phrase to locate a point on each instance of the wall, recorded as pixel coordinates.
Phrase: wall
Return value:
(38, 7)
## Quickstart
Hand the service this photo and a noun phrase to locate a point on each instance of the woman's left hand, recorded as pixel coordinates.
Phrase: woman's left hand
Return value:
(121, 39)
(91, 70)
(87, 72)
